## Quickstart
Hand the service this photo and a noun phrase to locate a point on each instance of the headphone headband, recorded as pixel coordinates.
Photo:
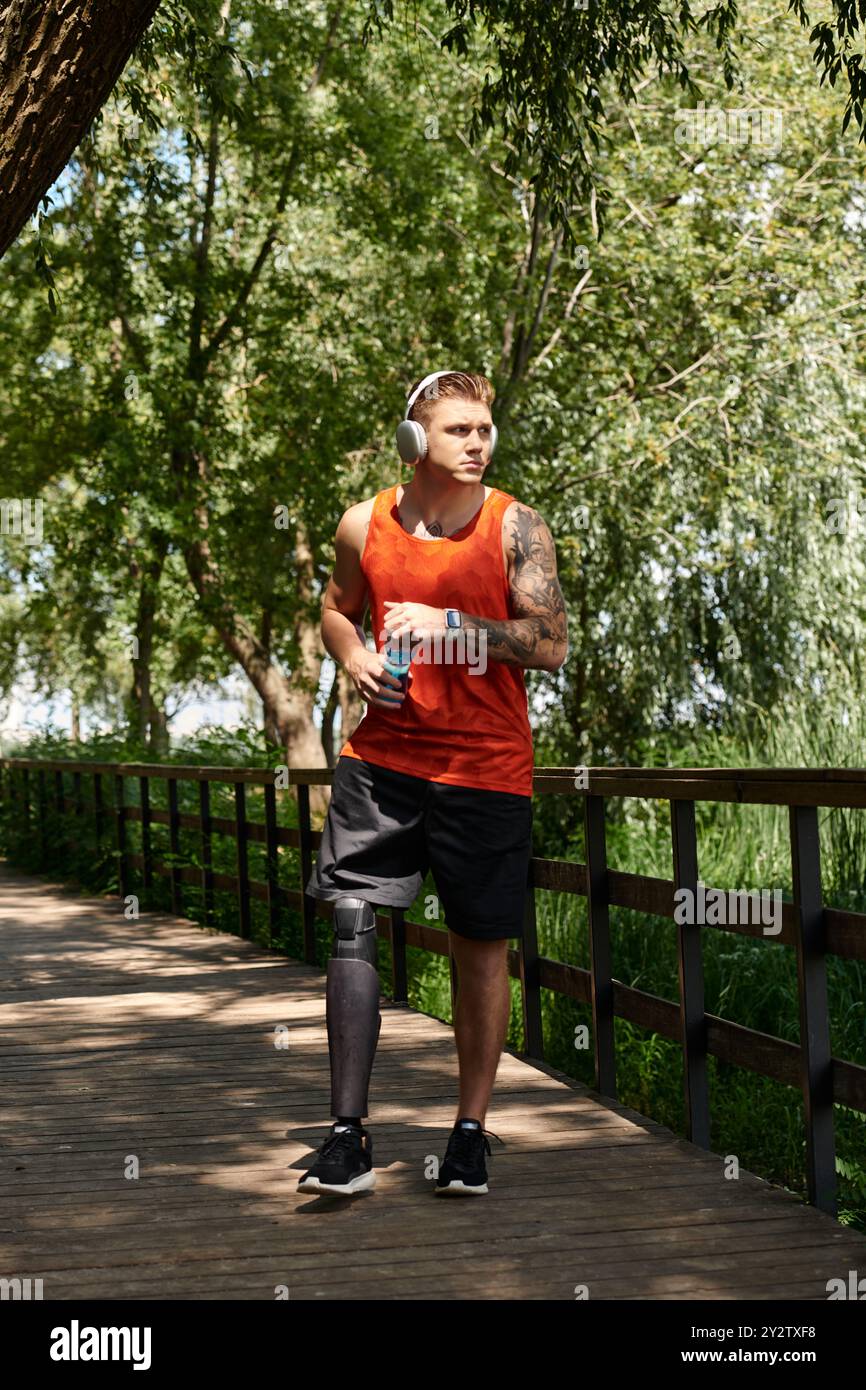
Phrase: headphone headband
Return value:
(420, 387)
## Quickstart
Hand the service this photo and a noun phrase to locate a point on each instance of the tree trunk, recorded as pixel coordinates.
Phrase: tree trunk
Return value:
(271, 732)
(332, 704)
(58, 64)
(288, 704)
(158, 739)
(149, 576)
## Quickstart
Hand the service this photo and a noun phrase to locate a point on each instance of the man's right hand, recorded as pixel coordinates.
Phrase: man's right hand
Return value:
(368, 674)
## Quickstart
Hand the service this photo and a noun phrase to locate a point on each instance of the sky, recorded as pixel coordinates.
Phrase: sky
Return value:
(26, 713)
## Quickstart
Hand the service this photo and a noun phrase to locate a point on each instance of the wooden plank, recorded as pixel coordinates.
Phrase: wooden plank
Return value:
(373, 1238)
(530, 1254)
(265, 1193)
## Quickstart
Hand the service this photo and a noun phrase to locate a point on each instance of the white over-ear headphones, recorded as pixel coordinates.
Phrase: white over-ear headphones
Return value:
(411, 435)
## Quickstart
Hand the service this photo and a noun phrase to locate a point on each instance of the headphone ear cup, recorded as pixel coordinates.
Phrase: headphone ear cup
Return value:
(411, 441)
(494, 436)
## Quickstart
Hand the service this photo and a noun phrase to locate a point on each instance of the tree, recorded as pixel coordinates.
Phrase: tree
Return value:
(58, 64)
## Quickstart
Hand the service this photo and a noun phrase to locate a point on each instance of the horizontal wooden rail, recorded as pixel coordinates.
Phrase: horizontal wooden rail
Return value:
(789, 786)
(810, 928)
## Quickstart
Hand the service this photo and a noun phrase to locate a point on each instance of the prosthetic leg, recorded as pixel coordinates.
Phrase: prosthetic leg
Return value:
(352, 1005)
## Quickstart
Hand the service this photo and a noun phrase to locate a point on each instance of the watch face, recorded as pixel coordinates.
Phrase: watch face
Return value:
(453, 617)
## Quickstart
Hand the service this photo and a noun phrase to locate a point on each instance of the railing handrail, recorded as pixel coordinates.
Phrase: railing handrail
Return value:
(186, 772)
(807, 786)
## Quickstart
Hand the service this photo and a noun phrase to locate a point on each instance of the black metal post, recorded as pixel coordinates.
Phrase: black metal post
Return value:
(272, 860)
(243, 870)
(42, 837)
(120, 817)
(174, 846)
(98, 809)
(26, 779)
(399, 979)
(206, 852)
(305, 834)
(146, 850)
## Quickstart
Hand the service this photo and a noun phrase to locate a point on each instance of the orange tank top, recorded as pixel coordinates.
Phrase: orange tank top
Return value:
(459, 723)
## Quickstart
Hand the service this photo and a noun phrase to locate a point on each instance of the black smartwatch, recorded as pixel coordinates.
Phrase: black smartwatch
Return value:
(452, 617)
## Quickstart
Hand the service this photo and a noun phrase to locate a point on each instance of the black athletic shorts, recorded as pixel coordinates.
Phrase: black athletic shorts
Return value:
(385, 829)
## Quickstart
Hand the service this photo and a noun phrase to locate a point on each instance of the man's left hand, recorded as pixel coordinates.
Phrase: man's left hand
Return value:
(418, 619)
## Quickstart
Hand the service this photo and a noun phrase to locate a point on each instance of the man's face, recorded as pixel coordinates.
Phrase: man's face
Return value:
(458, 439)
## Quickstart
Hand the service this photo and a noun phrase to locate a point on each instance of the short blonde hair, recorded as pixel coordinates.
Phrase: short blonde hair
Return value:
(467, 386)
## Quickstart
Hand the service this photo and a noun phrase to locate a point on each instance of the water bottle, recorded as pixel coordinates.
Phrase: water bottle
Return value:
(396, 658)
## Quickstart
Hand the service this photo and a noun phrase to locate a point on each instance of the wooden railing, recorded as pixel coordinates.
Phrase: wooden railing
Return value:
(813, 929)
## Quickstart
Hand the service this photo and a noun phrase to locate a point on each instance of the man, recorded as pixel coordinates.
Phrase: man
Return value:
(438, 774)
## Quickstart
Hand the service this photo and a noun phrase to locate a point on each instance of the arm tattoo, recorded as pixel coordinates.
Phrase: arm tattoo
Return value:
(538, 635)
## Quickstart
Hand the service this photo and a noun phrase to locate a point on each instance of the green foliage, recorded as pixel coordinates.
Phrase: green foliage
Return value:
(549, 63)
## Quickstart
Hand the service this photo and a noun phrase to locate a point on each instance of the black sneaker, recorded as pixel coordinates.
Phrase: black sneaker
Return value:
(344, 1165)
(463, 1172)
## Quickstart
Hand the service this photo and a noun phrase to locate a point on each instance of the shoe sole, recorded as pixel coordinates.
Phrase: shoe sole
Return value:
(456, 1188)
(362, 1183)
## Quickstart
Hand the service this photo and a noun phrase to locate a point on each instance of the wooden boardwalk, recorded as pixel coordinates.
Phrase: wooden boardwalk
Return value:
(154, 1042)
